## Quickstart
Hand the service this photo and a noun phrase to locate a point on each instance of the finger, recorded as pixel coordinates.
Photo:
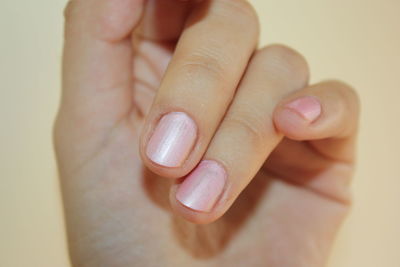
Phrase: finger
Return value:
(325, 114)
(163, 20)
(244, 139)
(199, 84)
(97, 60)
(96, 73)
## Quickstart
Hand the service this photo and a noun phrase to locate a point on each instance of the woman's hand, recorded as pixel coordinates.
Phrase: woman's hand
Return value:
(209, 106)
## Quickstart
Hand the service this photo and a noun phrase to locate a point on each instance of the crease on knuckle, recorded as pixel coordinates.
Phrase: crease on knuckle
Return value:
(251, 127)
(284, 63)
(345, 88)
(346, 93)
(204, 67)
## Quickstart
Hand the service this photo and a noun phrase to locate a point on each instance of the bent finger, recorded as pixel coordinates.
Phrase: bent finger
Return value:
(325, 114)
(97, 55)
(244, 139)
(208, 63)
(96, 84)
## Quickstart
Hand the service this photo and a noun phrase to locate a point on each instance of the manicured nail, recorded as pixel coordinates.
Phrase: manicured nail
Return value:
(172, 140)
(308, 107)
(202, 188)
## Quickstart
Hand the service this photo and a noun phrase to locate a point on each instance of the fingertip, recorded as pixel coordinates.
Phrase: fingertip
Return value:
(308, 107)
(199, 196)
(190, 215)
(295, 118)
(163, 171)
(168, 142)
(289, 123)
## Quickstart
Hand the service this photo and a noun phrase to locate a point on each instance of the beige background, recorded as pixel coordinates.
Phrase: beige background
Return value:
(357, 41)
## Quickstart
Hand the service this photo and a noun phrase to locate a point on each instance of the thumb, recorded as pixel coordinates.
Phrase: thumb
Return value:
(97, 70)
(97, 60)
(110, 20)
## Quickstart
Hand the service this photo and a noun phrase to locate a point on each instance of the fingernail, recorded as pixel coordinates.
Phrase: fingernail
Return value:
(202, 188)
(172, 140)
(307, 107)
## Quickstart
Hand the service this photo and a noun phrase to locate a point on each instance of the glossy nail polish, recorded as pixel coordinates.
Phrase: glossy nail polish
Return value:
(202, 188)
(307, 107)
(172, 140)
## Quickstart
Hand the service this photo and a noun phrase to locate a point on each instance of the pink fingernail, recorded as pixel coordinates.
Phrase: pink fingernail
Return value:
(172, 140)
(203, 187)
(308, 107)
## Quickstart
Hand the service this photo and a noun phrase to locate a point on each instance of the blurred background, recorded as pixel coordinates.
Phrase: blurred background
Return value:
(357, 41)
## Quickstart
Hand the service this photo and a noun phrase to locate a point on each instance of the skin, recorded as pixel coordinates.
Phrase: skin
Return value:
(287, 188)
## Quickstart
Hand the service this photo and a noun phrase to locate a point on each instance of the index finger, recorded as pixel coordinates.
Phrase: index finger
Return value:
(209, 61)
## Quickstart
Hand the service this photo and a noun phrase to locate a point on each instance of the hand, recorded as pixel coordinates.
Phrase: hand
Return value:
(187, 77)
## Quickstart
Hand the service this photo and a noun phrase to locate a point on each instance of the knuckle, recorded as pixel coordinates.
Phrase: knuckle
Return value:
(207, 68)
(346, 92)
(283, 62)
(249, 127)
(242, 11)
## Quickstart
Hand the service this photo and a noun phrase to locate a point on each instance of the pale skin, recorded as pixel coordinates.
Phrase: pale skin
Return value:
(285, 147)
